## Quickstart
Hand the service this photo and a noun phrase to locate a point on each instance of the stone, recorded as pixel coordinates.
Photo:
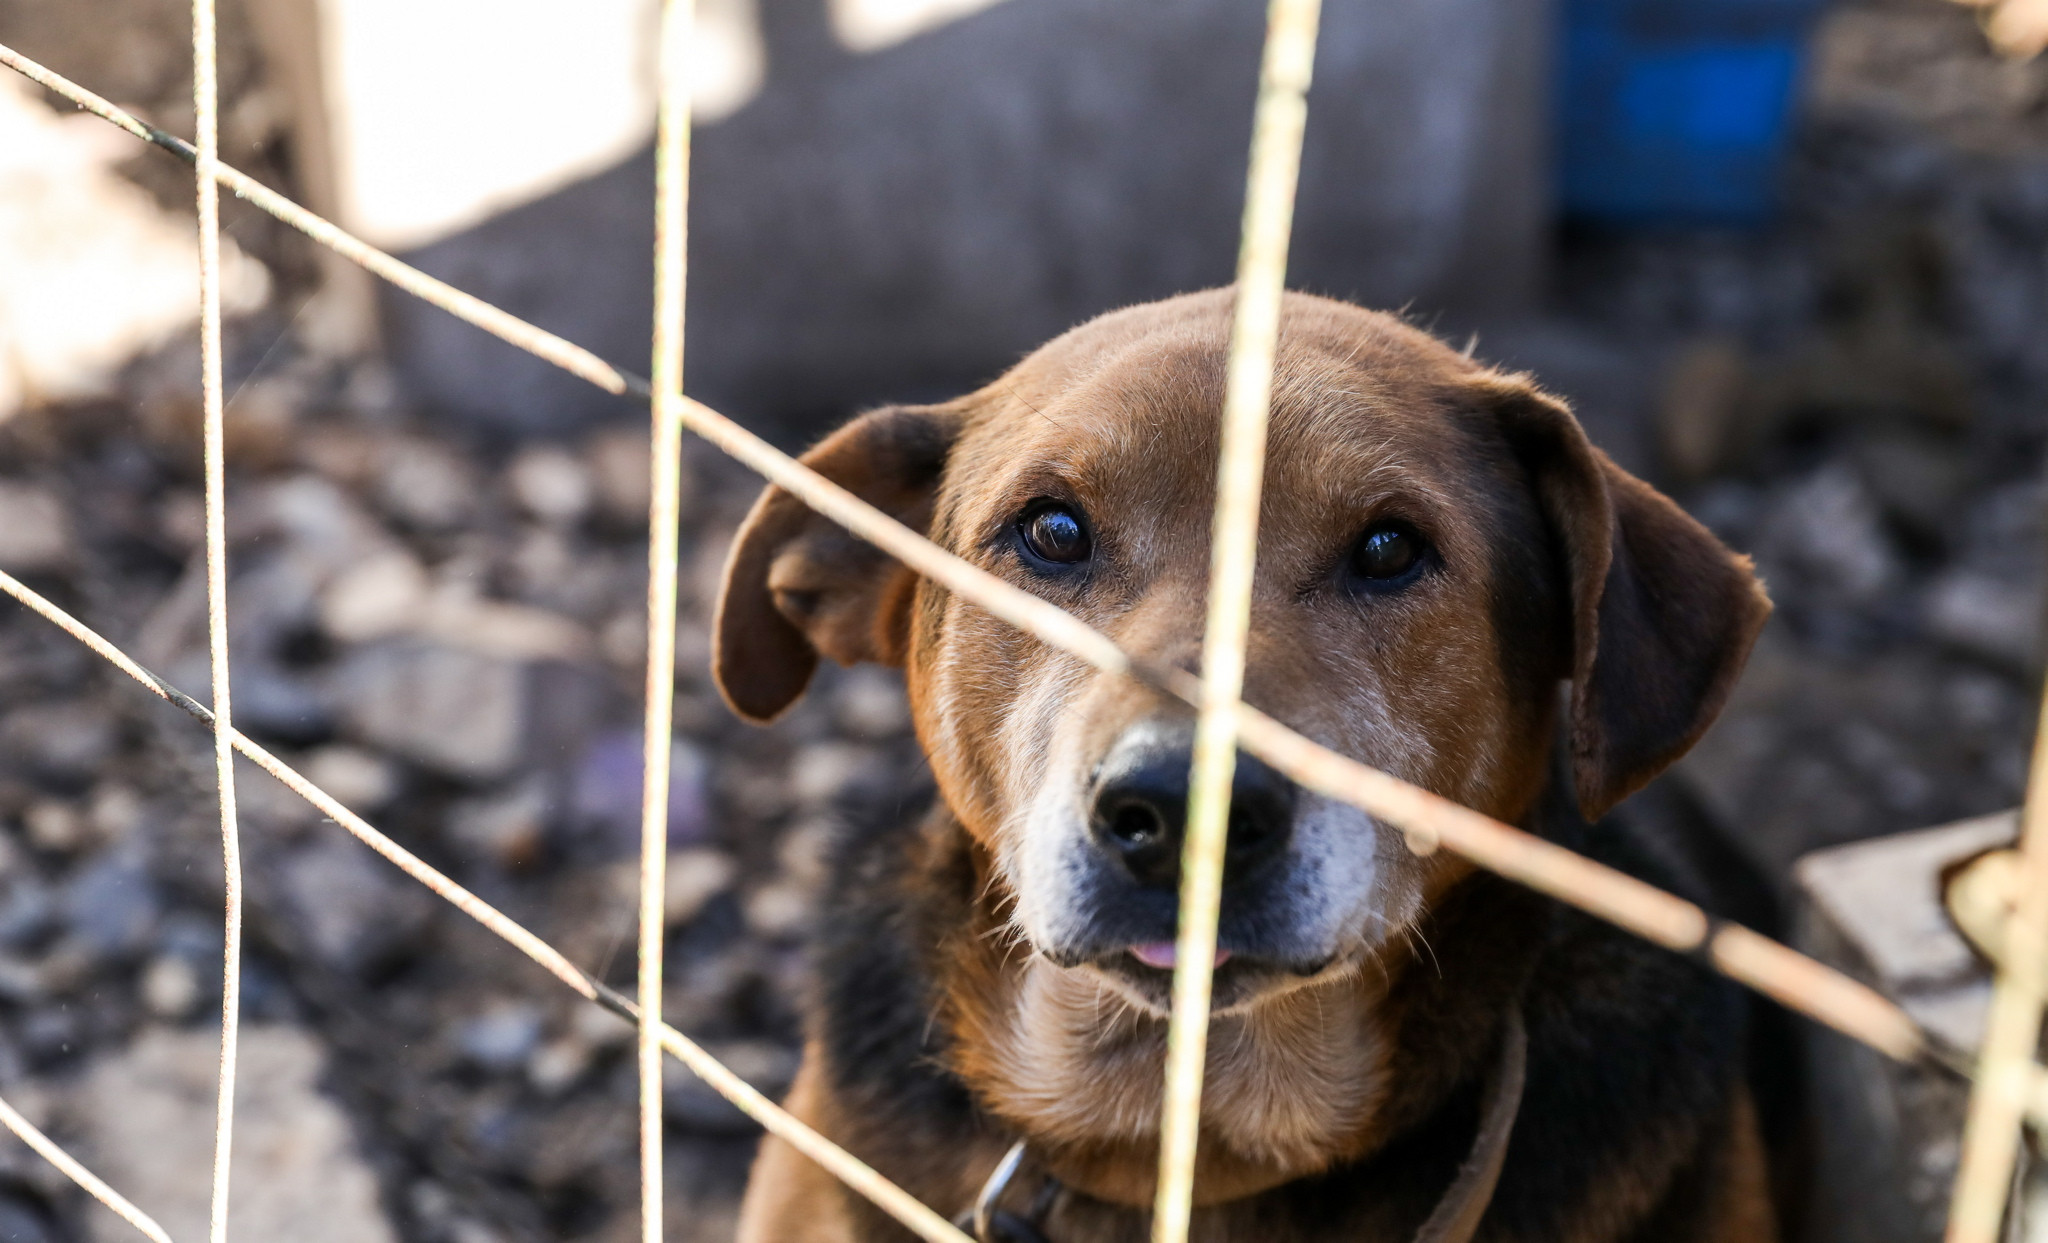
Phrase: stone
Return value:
(456, 615)
(147, 1113)
(21, 982)
(360, 780)
(323, 524)
(502, 1037)
(457, 711)
(694, 1105)
(693, 877)
(508, 829)
(824, 771)
(26, 908)
(557, 1064)
(268, 806)
(24, 1222)
(112, 905)
(1699, 418)
(379, 596)
(621, 467)
(170, 987)
(1884, 896)
(115, 812)
(276, 704)
(605, 793)
(67, 742)
(551, 484)
(425, 486)
(1826, 529)
(56, 826)
(351, 908)
(35, 532)
(1987, 617)
(805, 851)
(1887, 1133)
(869, 702)
(781, 910)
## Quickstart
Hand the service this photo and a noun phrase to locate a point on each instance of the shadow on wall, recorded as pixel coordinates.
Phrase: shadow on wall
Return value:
(903, 224)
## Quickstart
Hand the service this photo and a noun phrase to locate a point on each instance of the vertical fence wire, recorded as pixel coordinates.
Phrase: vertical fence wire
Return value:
(2005, 1062)
(1233, 551)
(844, 1166)
(671, 269)
(206, 125)
(1809, 987)
(1805, 985)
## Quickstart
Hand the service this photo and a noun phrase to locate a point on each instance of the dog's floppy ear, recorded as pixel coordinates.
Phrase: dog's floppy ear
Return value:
(798, 585)
(1663, 613)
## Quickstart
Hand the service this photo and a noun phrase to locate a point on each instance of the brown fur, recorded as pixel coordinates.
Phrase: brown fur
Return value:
(1555, 565)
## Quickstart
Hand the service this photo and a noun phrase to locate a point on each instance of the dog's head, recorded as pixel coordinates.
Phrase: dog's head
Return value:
(1439, 548)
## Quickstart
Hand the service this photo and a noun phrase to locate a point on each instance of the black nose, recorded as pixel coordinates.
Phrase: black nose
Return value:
(1141, 801)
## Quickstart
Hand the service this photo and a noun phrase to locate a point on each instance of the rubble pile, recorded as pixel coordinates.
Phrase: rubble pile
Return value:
(1858, 397)
(448, 636)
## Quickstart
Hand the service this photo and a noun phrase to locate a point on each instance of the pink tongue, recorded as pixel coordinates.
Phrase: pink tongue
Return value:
(1160, 955)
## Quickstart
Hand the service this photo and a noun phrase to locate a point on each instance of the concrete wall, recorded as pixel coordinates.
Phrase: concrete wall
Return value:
(904, 223)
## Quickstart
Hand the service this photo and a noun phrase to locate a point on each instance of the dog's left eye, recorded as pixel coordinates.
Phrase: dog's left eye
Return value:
(1054, 534)
(1389, 554)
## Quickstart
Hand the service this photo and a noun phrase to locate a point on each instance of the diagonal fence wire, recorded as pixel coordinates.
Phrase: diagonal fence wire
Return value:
(2006, 1073)
(1428, 820)
(93, 1184)
(206, 165)
(1275, 166)
(664, 522)
(1799, 982)
(843, 1165)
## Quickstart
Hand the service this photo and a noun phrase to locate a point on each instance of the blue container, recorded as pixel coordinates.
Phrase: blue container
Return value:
(1678, 111)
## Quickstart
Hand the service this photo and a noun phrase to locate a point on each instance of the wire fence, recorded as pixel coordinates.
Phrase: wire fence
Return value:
(2010, 1086)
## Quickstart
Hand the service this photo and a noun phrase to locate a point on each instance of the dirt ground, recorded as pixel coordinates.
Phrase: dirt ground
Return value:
(445, 629)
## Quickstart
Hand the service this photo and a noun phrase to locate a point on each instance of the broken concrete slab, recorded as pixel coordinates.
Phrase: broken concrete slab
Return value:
(1889, 1134)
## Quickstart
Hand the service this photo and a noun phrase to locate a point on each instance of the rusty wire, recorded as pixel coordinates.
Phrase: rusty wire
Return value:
(1428, 820)
(206, 166)
(664, 523)
(2006, 1073)
(1275, 166)
(773, 1118)
(68, 1165)
(1818, 991)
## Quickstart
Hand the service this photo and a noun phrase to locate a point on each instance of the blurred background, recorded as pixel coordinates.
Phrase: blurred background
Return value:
(1788, 258)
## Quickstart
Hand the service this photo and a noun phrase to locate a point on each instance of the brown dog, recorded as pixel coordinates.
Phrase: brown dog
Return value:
(1440, 549)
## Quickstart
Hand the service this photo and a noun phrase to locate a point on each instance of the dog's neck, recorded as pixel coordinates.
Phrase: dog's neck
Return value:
(1319, 1077)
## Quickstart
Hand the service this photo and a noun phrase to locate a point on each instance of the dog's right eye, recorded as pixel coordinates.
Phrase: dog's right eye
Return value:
(1054, 535)
(1388, 556)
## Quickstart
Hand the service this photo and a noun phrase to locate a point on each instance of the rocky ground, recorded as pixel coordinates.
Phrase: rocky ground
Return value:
(448, 637)
(445, 630)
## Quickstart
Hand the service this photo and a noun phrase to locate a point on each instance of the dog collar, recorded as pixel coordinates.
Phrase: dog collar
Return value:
(1455, 1219)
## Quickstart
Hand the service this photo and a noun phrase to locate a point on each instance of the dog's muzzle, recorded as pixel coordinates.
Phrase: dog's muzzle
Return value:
(1138, 813)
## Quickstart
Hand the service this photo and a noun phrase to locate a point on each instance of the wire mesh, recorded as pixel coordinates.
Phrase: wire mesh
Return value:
(1275, 166)
(1428, 821)
(93, 1184)
(843, 1165)
(2006, 1072)
(664, 524)
(206, 162)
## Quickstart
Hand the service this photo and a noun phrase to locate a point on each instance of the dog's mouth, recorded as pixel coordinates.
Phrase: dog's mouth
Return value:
(1165, 956)
(1144, 974)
